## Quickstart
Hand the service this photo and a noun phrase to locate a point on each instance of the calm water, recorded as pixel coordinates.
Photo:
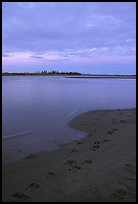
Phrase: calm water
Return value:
(36, 110)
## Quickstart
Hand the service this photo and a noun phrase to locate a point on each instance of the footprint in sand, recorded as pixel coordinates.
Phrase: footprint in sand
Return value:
(122, 121)
(97, 142)
(32, 156)
(76, 167)
(95, 146)
(87, 161)
(32, 186)
(51, 173)
(112, 131)
(120, 194)
(72, 163)
(19, 196)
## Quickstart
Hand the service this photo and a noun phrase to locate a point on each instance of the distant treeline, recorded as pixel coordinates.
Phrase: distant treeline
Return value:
(40, 73)
(57, 73)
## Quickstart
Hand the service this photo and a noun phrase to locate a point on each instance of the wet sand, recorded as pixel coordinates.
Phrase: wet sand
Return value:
(98, 168)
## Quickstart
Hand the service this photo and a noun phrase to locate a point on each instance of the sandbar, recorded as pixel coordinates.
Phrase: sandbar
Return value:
(98, 168)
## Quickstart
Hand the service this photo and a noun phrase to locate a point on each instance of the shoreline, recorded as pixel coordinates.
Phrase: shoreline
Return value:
(100, 167)
(102, 77)
(80, 76)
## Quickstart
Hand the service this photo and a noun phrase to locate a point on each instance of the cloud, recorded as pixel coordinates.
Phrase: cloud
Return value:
(7, 55)
(58, 32)
(37, 57)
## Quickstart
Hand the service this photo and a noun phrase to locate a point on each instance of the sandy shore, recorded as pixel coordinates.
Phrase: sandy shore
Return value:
(99, 168)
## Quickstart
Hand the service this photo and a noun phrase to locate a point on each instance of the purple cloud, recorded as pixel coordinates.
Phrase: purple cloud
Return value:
(69, 32)
(7, 55)
(37, 57)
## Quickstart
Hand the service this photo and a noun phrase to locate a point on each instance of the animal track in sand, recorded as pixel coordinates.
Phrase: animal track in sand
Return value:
(120, 194)
(72, 163)
(87, 161)
(112, 131)
(32, 156)
(122, 121)
(115, 129)
(76, 167)
(19, 196)
(95, 146)
(32, 186)
(97, 142)
(51, 173)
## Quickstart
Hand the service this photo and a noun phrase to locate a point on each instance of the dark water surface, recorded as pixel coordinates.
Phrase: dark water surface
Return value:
(36, 110)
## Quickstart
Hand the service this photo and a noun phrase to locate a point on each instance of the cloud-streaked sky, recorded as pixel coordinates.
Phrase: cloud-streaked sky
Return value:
(91, 37)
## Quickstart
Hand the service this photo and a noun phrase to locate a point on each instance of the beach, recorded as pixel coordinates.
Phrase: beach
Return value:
(98, 168)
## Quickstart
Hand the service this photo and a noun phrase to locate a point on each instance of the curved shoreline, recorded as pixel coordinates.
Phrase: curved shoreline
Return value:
(100, 167)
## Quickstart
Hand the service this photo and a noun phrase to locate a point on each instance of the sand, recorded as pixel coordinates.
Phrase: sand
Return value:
(99, 168)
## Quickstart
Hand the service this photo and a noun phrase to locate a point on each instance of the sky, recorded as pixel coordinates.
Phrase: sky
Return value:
(87, 37)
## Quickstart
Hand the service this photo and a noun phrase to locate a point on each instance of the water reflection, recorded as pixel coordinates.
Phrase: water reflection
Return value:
(37, 109)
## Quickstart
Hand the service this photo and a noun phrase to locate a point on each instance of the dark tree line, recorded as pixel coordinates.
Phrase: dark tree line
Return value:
(41, 73)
